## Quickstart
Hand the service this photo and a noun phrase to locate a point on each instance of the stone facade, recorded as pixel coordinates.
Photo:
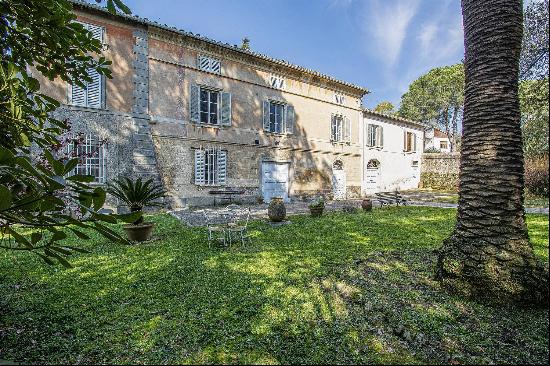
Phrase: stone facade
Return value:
(145, 116)
(440, 171)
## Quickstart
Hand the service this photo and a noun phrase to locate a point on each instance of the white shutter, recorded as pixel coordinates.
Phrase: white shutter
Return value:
(95, 89)
(347, 129)
(96, 30)
(222, 167)
(203, 63)
(226, 109)
(77, 95)
(414, 142)
(369, 135)
(333, 128)
(194, 103)
(266, 115)
(289, 119)
(215, 66)
(199, 167)
(381, 136)
(404, 140)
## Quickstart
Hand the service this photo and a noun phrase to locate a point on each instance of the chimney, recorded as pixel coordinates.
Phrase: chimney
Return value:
(246, 44)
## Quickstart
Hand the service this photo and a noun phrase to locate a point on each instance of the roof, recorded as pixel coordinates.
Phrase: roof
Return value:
(145, 21)
(440, 134)
(393, 117)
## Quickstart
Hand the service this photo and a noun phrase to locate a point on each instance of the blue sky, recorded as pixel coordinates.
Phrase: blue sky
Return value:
(382, 45)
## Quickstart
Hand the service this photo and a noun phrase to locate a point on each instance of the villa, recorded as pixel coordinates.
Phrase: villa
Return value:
(197, 115)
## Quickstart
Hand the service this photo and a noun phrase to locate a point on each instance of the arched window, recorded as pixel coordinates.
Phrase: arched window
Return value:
(338, 165)
(373, 164)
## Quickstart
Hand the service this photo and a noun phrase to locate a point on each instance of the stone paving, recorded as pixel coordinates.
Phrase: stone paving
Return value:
(196, 216)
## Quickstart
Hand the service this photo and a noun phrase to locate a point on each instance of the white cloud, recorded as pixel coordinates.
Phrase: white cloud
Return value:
(428, 33)
(387, 23)
(440, 39)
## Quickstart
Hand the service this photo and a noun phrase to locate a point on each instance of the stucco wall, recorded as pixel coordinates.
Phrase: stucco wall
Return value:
(396, 166)
(440, 171)
(308, 150)
(155, 137)
(119, 89)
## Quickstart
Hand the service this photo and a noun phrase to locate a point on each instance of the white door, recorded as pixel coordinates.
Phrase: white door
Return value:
(372, 177)
(339, 184)
(275, 181)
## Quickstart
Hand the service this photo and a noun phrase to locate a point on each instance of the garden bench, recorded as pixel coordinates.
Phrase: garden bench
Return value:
(390, 198)
(225, 194)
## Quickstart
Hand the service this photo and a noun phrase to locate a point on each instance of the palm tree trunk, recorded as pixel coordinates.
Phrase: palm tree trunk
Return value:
(489, 256)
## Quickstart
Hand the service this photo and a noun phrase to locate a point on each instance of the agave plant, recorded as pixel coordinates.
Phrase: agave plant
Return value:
(136, 193)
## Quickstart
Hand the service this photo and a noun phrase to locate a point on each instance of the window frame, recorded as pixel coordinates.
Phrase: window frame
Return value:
(208, 112)
(374, 136)
(211, 168)
(410, 144)
(90, 163)
(211, 63)
(98, 32)
(281, 107)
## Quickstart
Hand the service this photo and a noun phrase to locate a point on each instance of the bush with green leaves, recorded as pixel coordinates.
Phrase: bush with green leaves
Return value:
(536, 176)
(41, 36)
(137, 194)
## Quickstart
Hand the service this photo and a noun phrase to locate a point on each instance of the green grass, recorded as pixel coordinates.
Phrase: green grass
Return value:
(344, 288)
(535, 201)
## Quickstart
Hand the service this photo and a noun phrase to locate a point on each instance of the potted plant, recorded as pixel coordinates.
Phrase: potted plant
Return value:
(276, 209)
(366, 204)
(137, 194)
(316, 208)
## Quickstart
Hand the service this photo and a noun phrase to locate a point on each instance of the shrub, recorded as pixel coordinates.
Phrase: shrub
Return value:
(536, 176)
(432, 150)
(319, 203)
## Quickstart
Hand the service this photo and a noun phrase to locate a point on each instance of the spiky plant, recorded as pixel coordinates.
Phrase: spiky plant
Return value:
(136, 193)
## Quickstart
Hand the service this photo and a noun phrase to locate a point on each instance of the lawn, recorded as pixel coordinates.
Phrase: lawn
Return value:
(344, 288)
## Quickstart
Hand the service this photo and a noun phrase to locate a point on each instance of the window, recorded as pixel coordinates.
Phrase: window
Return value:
(443, 145)
(210, 106)
(209, 64)
(278, 117)
(340, 98)
(210, 167)
(91, 154)
(340, 129)
(409, 142)
(277, 82)
(375, 137)
(91, 94)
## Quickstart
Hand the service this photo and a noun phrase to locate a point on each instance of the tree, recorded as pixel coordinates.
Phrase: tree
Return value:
(489, 256)
(385, 107)
(42, 35)
(437, 99)
(533, 98)
(534, 51)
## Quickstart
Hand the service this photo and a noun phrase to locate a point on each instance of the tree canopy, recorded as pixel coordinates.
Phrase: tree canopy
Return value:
(534, 50)
(39, 194)
(385, 107)
(437, 99)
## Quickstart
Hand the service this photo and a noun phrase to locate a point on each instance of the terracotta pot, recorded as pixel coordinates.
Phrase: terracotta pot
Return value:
(366, 204)
(141, 232)
(316, 211)
(276, 210)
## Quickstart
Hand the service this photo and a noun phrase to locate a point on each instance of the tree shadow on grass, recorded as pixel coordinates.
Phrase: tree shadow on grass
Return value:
(342, 289)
